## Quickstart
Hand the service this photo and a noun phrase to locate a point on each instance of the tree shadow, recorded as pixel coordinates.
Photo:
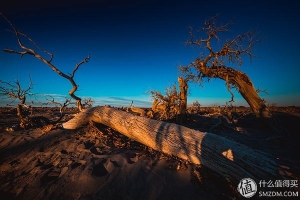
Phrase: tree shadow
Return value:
(219, 159)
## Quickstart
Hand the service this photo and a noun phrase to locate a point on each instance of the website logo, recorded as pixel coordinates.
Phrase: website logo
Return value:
(247, 187)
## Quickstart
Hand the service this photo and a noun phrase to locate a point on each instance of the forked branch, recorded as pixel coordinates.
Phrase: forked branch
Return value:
(30, 51)
(213, 64)
(232, 50)
(14, 91)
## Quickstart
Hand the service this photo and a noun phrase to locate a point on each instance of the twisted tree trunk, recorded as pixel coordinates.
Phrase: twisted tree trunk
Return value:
(228, 158)
(244, 85)
(211, 64)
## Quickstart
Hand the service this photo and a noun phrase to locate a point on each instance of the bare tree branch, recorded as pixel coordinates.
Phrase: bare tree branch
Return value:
(212, 64)
(173, 103)
(32, 52)
(80, 63)
(62, 106)
(231, 51)
(15, 92)
(35, 44)
(258, 90)
(88, 102)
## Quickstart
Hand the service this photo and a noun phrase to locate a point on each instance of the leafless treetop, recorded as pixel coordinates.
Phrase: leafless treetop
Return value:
(26, 50)
(232, 50)
(14, 90)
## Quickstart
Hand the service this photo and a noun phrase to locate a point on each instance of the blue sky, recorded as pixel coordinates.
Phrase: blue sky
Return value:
(137, 46)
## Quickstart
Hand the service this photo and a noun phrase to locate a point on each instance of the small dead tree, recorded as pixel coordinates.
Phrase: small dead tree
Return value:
(166, 106)
(173, 103)
(14, 91)
(88, 102)
(33, 52)
(195, 107)
(212, 63)
(62, 106)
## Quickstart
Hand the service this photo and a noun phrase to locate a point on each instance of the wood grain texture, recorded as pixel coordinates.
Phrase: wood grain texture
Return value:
(226, 157)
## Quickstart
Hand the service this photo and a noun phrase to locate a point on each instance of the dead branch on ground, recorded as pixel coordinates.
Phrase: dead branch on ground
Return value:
(226, 157)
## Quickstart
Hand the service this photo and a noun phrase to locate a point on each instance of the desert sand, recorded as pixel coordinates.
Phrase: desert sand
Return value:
(96, 162)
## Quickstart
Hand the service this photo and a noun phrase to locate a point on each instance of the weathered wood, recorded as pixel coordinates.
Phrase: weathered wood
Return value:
(183, 86)
(226, 157)
(140, 111)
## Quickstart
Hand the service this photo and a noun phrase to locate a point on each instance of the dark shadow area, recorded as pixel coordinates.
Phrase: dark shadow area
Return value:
(31, 145)
(99, 170)
(282, 150)
(96, 162)
(249, 131)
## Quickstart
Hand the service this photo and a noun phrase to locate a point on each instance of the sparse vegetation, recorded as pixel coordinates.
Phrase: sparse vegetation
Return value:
(195, 107)
(212, 63)
(14, 91)
(48, 62)
(173, 104)
(227, 140)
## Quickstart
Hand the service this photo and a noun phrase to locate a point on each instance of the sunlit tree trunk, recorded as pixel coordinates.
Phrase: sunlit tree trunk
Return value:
(226, 157)
(212, 64)
(19, 110)
(20, 107)
(242, 83)
(183, 87)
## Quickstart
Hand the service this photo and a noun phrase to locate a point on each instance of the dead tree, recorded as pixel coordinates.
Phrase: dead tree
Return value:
(160, 107)
(62, 106)
(14, 91)
(30, 51)
(228, 158)
(173, 103)
(183, 88)
(166, 105)
(195, 107)
(88, 102)
(212, 63)
(52, 101)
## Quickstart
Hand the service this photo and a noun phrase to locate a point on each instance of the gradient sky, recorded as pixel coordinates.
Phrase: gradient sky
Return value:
(137, 45)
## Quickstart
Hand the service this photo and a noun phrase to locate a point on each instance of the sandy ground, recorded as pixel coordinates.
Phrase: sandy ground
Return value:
(95, 162)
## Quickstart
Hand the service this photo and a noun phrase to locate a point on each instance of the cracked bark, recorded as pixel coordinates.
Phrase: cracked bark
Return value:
(226, 157)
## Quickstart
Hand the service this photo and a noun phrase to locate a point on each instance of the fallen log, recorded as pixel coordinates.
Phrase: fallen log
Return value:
(226, 157)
